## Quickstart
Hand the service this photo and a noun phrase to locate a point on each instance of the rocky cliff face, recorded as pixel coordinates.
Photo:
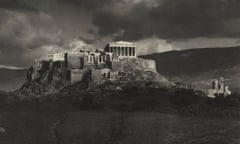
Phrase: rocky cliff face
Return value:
(49, 81)
(128, 70)
(134, 65)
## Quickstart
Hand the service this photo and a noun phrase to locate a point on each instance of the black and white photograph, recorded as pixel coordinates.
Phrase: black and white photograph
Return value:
(119, 71)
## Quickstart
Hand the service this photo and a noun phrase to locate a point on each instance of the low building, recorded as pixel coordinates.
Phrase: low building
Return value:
(57, 56)
(219, 88)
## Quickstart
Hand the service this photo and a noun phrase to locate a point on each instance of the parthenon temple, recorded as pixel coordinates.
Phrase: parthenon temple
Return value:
(122, 49)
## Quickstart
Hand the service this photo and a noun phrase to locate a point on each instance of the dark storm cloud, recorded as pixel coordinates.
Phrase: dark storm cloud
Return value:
(173, 19)
(22, 34)
(164, 18)
(86, 4)
(29, 28)
(15, 4)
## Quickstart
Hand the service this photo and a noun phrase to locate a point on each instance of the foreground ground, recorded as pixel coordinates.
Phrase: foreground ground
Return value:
(132, 116)
(49, 124)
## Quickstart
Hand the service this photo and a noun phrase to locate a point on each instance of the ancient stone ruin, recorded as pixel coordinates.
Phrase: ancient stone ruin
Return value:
(219, 88)
(117, 61)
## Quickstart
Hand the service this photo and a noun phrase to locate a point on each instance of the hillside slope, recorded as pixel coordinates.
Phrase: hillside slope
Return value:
(200, 66)
(175, 63)
(204, 80)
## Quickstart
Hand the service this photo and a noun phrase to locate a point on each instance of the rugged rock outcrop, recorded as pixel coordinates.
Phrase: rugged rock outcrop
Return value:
(53, 80)
(44, 81)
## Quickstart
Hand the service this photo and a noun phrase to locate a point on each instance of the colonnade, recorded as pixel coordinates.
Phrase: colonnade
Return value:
(123, 51)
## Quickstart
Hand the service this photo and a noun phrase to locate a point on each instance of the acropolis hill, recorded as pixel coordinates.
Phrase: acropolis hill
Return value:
(118, 61)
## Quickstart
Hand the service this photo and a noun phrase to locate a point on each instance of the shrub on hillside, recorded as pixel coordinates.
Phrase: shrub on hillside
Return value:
(186, 97)
(229, 101)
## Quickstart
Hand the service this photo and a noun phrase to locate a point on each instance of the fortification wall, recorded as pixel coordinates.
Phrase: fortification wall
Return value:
(75, 61)
(76, 71)
(100, 75)
(138, 64)
(76, 75)
(149, 65)
(117, 66)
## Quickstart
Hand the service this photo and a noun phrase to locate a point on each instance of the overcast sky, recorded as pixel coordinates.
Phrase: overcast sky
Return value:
(31, 28)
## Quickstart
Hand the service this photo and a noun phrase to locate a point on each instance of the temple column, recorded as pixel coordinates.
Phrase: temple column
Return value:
(92, 59)
(103, 58)
(88, 59)
(130, 51)
(119, 52)
(134, 53)
(125, 50)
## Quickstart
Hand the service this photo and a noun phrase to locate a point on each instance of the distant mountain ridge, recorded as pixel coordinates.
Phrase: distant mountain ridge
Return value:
(11, 79)
(199, 66)
(176, 63)
(12, 67)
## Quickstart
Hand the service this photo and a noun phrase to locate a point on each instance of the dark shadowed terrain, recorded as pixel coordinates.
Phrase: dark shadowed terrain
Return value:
(133, 116)
(109, 127)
